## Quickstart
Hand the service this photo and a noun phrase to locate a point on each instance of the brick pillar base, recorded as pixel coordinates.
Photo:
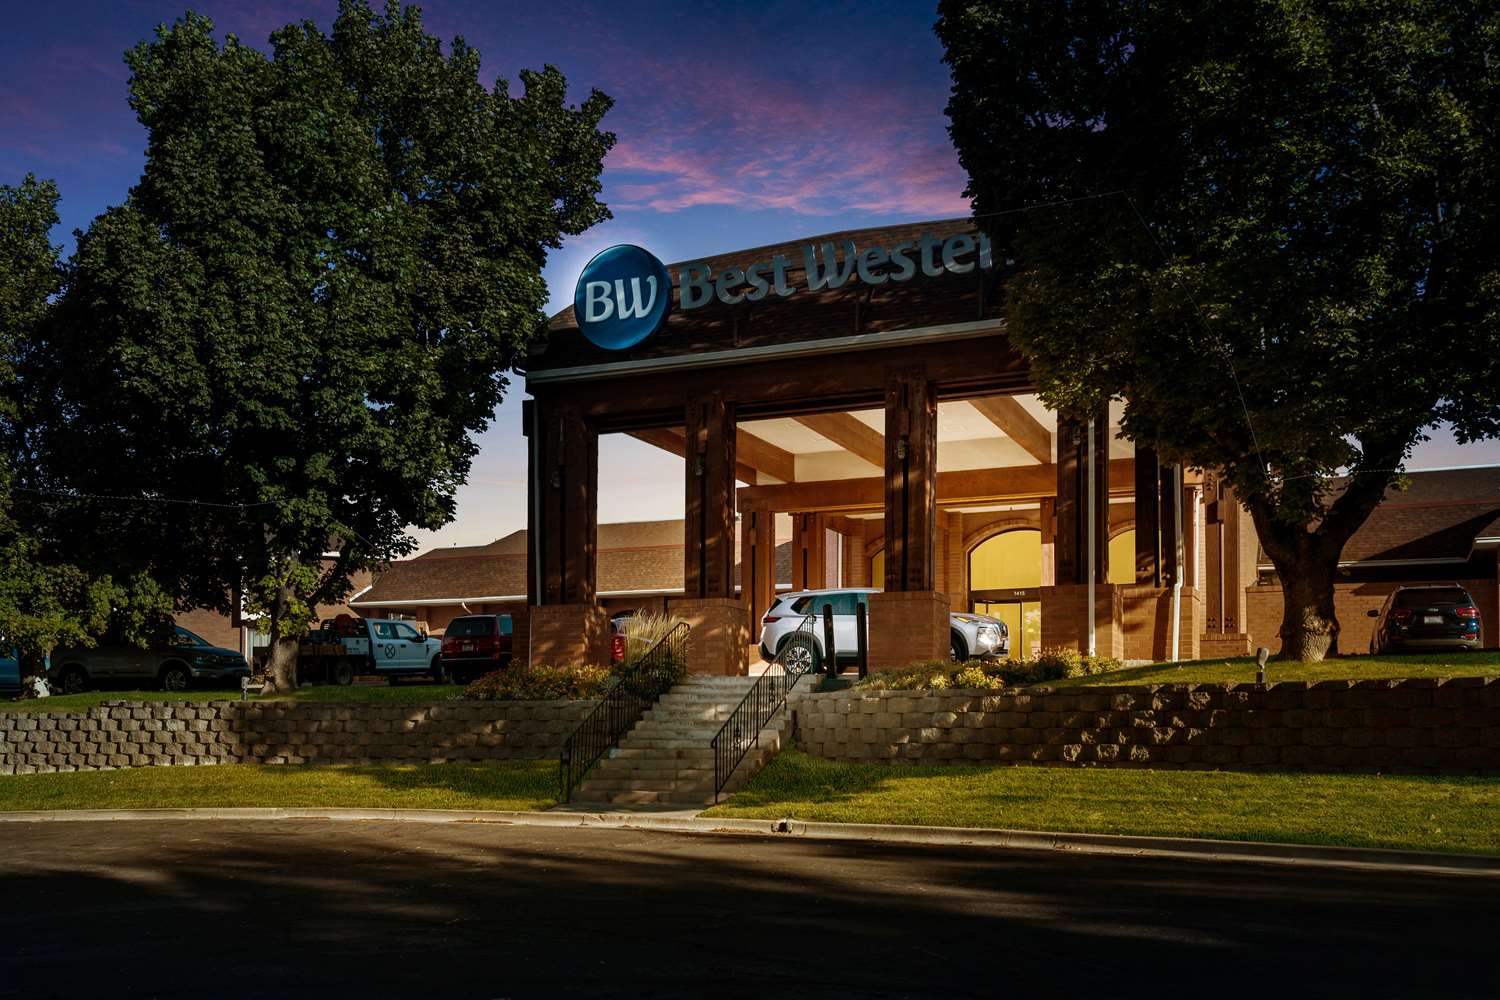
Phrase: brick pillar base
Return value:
(720, 639)
(1065, 622)
(1147, 624)
(907, 626)
(569, 633)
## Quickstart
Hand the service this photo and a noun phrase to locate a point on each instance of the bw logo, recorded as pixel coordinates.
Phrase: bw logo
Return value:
(623, 297)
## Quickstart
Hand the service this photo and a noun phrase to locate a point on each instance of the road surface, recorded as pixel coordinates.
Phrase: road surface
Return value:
(325, 909)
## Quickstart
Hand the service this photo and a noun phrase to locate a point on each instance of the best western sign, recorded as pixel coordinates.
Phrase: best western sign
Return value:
(624, 294)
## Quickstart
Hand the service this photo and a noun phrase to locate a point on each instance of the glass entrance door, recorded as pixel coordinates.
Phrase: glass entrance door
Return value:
(1023, 621)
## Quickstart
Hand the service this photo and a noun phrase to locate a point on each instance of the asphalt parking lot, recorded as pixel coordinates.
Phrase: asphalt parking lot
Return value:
(318, 908)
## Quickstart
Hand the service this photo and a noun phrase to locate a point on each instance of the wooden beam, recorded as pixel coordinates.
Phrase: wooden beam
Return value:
(849, 433)
(1021, 427)
(671, 439)
(763, 456)
(1018, 483)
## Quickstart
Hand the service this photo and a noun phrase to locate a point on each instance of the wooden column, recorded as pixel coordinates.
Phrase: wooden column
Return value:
(1147, 518)
(708, 530)
(1070, 551)
(562, 540)
(809, 552)
(757, 563)
(1170, 498)
(910, 481)
(1048, 516)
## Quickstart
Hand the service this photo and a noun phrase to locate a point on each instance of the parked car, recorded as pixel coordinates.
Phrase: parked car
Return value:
(617, 625)
(347, 647)
(970, 636)
(183, 660)
(476, 644)
(10, 672)
(1431, 617)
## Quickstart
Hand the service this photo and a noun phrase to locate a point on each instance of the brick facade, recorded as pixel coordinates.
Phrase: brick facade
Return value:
(1147, 623)
(1352, 603)
(1424, 725)
(1065, 618)
(142, 734)
(908, 626)
(719, 637)
(569, 633)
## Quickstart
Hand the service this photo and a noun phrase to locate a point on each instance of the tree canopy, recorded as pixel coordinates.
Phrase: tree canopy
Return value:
(1271, 228)
(44, 601)
(307, 306)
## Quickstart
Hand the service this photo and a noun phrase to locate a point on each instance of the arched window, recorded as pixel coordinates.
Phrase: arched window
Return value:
(1010, 560)
(1122, 557)
(1005, 574)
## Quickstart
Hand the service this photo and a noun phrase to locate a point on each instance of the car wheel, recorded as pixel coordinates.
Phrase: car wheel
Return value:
(174, 677)
(958, 650)
(799, 655)
(439, 672)
(343, 673)
(75, 680)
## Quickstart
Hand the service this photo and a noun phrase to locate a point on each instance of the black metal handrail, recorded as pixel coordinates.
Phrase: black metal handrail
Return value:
(640, 685)
(741, 730)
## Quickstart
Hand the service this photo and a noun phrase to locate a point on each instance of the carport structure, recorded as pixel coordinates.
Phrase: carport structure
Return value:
(885, 412)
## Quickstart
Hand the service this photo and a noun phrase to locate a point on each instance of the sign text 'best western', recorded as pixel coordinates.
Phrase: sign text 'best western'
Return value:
(624, 294)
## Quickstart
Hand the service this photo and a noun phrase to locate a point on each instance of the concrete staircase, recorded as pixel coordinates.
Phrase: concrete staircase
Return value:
(666, 758)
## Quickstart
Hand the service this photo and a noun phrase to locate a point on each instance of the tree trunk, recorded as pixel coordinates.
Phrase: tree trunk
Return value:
(281, 665)
(1309, 624)
(33, 665)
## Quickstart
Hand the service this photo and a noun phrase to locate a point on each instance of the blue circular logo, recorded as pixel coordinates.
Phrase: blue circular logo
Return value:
(623, 297)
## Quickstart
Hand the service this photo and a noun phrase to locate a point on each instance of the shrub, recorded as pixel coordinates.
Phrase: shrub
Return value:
(937, 675)
(541, 682)
(642, 632)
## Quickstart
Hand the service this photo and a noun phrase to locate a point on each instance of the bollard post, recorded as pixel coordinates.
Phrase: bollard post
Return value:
(861, 641)
(1261, 656)
(830, 652)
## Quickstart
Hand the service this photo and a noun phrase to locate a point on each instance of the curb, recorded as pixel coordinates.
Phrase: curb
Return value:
(1180, 848)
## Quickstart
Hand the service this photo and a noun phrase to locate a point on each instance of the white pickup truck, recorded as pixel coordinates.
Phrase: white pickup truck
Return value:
(346, 647)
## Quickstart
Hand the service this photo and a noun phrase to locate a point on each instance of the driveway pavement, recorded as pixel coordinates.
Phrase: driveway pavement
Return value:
(315, 908)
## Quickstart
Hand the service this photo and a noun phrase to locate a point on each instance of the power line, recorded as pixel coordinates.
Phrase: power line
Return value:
(66, 495)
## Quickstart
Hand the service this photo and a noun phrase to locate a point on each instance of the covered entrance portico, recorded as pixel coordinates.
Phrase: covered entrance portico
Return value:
(872, 368)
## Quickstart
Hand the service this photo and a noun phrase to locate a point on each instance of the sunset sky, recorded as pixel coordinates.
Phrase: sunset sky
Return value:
(738, 125)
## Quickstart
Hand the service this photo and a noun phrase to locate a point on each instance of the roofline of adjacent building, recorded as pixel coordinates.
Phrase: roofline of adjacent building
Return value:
(435, 602)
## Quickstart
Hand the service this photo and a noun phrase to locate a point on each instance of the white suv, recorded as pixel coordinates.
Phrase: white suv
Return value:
(970, 636)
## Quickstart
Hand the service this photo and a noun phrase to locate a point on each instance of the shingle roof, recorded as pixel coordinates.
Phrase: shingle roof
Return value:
(634, 557)
(1438, 517)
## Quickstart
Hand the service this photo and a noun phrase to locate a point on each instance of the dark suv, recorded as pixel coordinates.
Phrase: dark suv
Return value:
(476, 644)
(180, 661)
(1435, 617)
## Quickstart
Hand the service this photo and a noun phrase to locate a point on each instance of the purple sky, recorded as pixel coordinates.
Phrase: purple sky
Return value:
(738, 125)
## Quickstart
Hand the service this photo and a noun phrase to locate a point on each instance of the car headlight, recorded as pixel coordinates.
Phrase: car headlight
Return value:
(988, 635)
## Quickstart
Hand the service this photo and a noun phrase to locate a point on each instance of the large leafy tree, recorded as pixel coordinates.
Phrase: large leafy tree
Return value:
(45, 600)
(1271, 227)
(305, 310)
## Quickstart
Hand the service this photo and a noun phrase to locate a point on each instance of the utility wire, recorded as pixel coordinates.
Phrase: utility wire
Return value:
(62, 494)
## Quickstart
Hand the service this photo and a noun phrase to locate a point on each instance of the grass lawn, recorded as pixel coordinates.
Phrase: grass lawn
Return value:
(380, 692)
(502, 784)
(1430, 813)
(1242, 670)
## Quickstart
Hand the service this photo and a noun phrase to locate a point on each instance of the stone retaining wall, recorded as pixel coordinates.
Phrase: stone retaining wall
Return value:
(141, 734)
(1424, 725)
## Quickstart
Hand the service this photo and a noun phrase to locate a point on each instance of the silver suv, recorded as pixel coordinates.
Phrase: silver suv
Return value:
(787, 625)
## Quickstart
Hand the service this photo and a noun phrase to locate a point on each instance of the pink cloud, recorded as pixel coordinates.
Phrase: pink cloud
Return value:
(711, 129)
